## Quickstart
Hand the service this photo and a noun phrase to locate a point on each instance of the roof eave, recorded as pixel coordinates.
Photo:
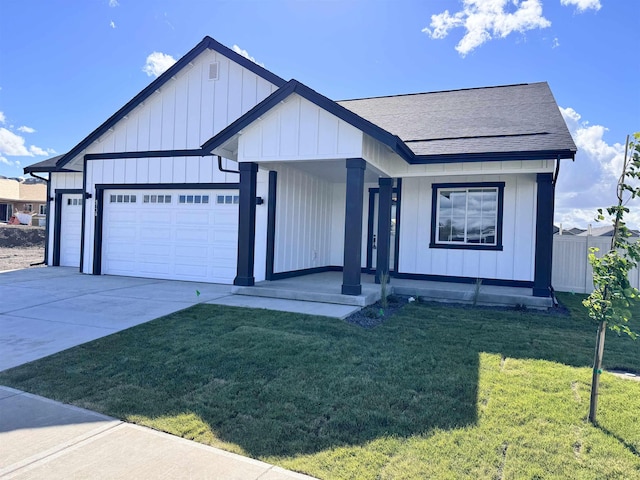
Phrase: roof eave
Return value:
(495, 156)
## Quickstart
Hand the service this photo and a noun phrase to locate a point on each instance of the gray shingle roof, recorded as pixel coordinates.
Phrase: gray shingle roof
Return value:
(512, 118)
(47, 165)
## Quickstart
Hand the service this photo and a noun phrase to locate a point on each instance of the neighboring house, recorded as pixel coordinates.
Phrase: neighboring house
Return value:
(19, 196)
(606, 231)
(221, 171)
(567, 231)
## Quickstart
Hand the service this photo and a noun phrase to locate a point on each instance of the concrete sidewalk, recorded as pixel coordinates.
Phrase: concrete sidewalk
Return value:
(40, 438)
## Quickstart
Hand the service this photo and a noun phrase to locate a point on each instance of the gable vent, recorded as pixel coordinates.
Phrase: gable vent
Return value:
(213, 71)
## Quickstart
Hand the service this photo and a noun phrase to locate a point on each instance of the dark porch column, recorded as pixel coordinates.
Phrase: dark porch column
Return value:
(353, 227)
(246, 224)
(384, 227)
(544, 236)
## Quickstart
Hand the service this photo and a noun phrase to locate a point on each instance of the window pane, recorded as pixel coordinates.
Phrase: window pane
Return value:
(198, 198)
(167, 199)
(220, 199)
(228, 199)
(189, 198)
(145, 199)
(205, 199)
(133, 199)
(182, 199)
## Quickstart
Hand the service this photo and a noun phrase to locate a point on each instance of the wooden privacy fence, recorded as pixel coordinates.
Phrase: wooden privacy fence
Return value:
(571, 270)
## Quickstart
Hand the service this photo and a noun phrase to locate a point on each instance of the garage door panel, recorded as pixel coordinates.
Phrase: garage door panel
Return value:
(192, 235)
(225, 218)
(170, 240)
(154, 233)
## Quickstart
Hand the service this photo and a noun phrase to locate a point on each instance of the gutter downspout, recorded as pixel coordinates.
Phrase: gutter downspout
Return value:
(46, 228)
(224, 169)
(553, 183)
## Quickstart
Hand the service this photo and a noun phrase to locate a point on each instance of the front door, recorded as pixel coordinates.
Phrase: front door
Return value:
(372, 231)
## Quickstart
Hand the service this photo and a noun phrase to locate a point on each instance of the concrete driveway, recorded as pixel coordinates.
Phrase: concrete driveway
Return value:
(46, 310)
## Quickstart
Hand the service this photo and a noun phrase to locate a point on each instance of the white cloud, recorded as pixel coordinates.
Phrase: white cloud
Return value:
(12, 144)
(590, 182)
(112, 24)
(2, 117)
(246, 55)
(25, 129)
(484, 20)
(157, 63)
(583, 5)
(556, 43)
(38, 151)
(6, 161)
(113, 3)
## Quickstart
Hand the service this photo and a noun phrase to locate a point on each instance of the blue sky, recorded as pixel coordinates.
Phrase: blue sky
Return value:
(66, 66)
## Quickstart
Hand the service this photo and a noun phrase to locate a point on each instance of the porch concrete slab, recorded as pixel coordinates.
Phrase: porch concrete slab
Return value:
(284, 305)
(322, 287)
(23, 340)
(40, 438)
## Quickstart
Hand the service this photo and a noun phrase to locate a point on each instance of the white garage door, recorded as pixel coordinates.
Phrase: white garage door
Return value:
(171, 234)
(70, 230)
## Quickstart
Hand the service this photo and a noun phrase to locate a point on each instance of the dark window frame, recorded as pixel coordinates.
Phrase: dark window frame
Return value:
(436, 187)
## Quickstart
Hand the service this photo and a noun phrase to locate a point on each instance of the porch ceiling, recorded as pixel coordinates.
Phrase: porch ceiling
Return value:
(334, 171)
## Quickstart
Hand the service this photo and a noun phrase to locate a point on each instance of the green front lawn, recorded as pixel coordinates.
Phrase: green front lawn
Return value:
(435, 392)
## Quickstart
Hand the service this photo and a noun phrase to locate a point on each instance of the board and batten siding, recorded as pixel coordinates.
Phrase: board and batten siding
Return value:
(187, 110)
(516, 260)
(304, 205)
(60, 181)
(299, 130)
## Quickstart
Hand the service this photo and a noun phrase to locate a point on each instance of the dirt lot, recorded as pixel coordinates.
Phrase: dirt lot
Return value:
(20, 246)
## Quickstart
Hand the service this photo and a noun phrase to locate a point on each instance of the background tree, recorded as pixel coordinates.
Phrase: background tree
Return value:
(613, 296)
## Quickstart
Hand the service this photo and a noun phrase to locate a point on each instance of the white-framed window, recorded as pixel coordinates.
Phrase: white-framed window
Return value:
(42, 210)
(467, 216)
(28, 207)
(74, 201)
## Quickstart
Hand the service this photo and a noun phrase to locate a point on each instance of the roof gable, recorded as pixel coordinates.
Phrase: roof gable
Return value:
(291, 87)
(206, 43)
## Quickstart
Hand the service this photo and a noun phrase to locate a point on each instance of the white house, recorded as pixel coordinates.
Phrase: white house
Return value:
(221, 171)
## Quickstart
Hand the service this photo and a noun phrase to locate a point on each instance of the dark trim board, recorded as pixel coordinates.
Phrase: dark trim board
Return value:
(370, 222)
(494, 157)
(453, 279)
(57, 226)
(147, 154)
(271, 224)
(306, 271)
(544, 235)
(396, 256)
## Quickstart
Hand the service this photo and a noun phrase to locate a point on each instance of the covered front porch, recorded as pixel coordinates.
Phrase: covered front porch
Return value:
(326, 287)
